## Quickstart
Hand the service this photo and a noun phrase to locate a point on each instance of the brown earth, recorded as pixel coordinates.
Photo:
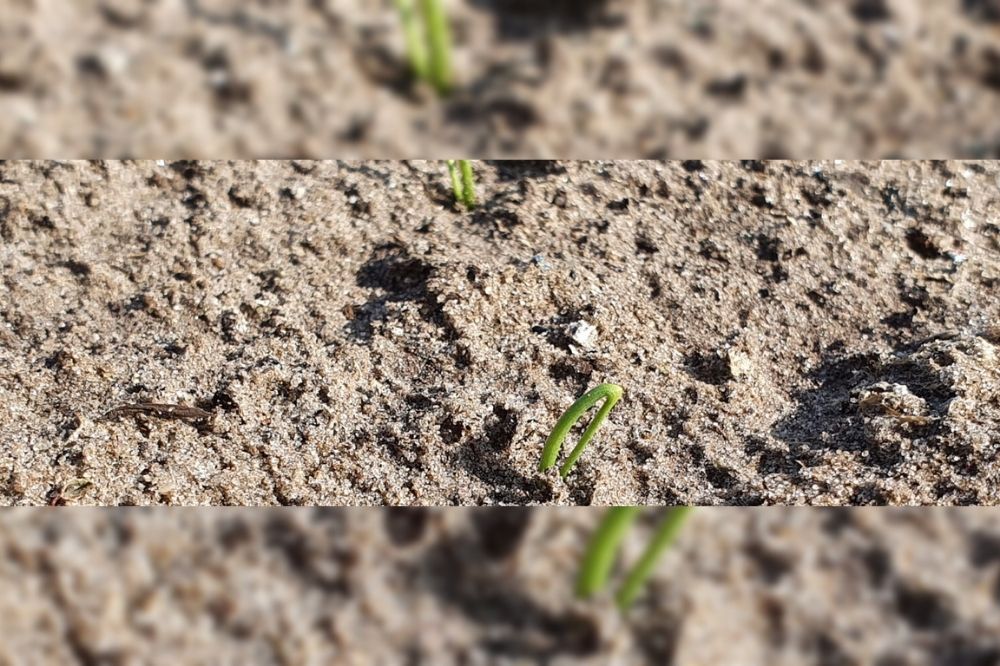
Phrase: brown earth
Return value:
(561, 79)
(786, 333)
(495, 586)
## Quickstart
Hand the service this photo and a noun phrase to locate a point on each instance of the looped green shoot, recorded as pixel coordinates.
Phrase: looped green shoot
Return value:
(611, 394)
(428, 41)
(606, 542)
(463, 182)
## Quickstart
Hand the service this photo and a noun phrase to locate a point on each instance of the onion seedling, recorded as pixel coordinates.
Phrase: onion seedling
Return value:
(600, 555)
(463, 183)
(604, 546)
(611, 394)
(428, 41)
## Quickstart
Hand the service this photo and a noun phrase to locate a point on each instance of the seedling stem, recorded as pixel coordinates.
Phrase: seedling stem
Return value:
(463, 182)
(428, 41)
(665, 535)
(439, 40)
(606, 542)
(600, 556)
(416, 46)
(611, 394)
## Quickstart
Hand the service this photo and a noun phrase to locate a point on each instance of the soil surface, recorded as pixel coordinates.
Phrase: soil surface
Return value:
(339, 333)
(495, 586)
(563, 79)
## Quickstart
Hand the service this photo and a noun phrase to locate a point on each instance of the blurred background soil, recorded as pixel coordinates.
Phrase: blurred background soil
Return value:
(791, 333)
(561, 79)
(495, 586)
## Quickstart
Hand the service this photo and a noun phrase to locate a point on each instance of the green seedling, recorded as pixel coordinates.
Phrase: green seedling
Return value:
(428, 41)
(603, 548)
(607, 540)
(463, 183)
(611, 394)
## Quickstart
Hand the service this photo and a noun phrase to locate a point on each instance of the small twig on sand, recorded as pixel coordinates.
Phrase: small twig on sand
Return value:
(199, 418)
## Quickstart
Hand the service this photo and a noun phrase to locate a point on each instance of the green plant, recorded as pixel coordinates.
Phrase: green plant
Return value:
(428, 41)
(611, 394)
(463, 183)
(604, 545)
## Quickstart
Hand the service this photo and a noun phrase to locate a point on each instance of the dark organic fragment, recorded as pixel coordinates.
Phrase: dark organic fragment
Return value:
(197, 417)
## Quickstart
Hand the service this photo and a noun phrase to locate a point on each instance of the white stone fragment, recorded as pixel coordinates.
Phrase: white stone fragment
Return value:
(583, 334)
(739, 363)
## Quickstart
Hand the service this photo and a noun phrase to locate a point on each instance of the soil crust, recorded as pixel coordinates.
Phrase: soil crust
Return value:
(494, 586)
(340, 333)
(723, 79)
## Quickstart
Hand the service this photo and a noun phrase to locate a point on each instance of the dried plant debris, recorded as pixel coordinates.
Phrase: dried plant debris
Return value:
(942, 387)
(194, 415)
(69, 493)
(341, 333)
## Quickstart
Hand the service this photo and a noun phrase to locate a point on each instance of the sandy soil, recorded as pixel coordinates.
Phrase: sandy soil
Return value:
(495, 586)
(561, 79)
(785, 332)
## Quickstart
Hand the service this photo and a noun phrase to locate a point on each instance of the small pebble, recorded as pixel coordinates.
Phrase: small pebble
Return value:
(739, 364)
(583, 334)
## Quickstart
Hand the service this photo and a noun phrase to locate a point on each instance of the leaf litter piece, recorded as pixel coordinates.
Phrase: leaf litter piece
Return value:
(195, 416)
(69, 492)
